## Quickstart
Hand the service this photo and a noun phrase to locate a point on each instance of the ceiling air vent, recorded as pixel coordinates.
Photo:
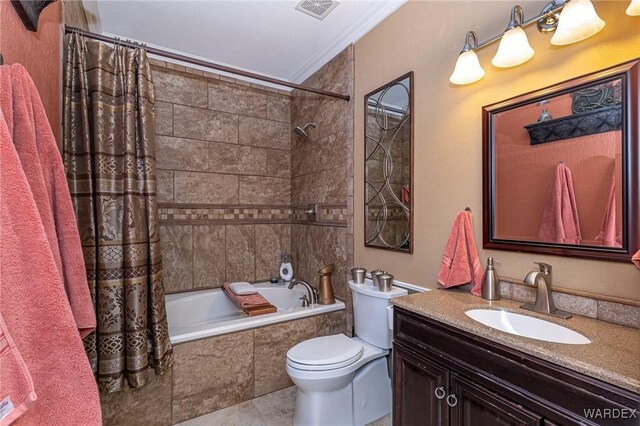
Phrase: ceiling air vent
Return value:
(317, 8)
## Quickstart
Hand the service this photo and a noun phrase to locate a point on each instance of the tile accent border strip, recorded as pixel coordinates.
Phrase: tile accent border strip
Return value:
(223, 213)
(175, 213)
(327, 214)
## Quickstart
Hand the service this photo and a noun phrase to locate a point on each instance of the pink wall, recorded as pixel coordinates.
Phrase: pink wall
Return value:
(524, 173)
(40, 53)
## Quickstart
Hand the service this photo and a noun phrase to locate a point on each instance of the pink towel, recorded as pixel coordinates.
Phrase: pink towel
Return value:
(560, 222)
(34, 303)
(42, 165)
(636, 259)
(460, 262)
(16, 385)
(406, 195)
(608, 228)
(252, 304)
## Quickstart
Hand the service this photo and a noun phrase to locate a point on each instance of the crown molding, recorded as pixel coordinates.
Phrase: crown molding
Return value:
(350, 35)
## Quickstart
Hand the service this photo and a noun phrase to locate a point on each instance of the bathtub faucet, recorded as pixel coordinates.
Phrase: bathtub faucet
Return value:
(313, 293)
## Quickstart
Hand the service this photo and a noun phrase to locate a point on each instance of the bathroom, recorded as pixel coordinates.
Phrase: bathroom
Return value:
(262, 125)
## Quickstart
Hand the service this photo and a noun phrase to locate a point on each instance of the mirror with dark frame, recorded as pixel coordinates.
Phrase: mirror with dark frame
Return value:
(561, 168)
(388, 165)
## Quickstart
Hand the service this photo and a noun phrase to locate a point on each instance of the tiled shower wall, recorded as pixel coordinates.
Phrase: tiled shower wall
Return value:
(322, 172)
(234, 181)
(229, 205)
(224, 176)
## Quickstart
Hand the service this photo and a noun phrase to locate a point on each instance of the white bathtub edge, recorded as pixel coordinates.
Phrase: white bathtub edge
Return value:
(258, 321)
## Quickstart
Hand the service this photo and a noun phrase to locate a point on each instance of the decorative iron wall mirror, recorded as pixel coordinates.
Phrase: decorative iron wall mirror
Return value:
(561, 168)
(388, 135)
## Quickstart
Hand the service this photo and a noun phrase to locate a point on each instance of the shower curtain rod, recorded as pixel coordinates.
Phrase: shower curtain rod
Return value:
(212, 65)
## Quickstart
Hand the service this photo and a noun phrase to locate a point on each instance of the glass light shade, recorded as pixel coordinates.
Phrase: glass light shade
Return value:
(577, 22)
(634, 8)
(467, 70)
(514, 49)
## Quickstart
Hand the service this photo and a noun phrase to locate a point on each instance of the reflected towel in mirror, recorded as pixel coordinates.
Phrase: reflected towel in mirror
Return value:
(560, 223)
(607, 234)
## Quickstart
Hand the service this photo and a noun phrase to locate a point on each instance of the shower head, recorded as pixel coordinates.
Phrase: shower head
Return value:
(301, 131)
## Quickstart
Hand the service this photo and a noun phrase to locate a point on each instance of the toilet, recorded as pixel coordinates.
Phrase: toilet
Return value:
(342, 380)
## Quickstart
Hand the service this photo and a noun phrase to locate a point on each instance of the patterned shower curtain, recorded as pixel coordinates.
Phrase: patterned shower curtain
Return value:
(109, 156)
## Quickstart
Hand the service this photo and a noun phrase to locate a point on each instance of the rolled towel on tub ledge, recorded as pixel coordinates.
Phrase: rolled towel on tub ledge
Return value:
(243, 288)
(251, 304)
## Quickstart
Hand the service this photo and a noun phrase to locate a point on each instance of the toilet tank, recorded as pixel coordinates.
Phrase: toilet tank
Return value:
(370, 313)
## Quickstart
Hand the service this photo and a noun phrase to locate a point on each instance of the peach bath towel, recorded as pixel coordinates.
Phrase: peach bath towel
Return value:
(560, 222)
(34, 302)
(460, 262)
(636, 259)
(42, 165)
(252, 304)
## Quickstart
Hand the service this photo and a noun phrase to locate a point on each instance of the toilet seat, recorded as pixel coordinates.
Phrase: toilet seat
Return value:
(305, 372)
(325, 353)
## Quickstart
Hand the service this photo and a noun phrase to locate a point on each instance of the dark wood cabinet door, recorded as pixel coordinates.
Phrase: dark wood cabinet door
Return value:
(415, 383)
(473, 405)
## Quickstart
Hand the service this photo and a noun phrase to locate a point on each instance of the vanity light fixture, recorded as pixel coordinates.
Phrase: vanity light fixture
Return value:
(514, 48)
(468, 69)
(571, 20)
(578, 21)
(634, 8)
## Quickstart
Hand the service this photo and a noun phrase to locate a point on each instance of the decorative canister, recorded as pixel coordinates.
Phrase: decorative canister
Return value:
(385, 282)
(375, 274)
(358, 274)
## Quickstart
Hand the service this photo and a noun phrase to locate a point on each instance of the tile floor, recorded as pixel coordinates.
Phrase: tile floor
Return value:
(274, 409)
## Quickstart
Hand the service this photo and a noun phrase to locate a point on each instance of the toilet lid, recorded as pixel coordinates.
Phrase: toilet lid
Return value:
(325, 351)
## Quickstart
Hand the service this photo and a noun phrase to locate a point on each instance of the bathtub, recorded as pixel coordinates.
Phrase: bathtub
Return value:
(205, 313)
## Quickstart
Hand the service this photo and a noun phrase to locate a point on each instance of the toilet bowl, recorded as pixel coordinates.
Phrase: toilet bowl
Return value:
(342, 380)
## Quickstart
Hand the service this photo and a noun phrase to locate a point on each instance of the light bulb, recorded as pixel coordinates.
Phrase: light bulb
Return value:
(634, 8)
(514, 49)
(468, 69)
(578, 21)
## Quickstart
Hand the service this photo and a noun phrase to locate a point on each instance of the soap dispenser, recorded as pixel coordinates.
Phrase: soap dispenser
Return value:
(286, 269)
(490, 282)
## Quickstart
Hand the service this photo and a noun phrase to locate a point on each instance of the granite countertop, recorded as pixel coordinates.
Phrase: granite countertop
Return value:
(613, 355)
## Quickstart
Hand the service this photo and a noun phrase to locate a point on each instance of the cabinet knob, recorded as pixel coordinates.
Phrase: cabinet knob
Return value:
(440, 392)
(452, 400)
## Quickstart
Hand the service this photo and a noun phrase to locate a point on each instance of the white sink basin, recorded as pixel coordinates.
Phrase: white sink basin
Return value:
(526, 326)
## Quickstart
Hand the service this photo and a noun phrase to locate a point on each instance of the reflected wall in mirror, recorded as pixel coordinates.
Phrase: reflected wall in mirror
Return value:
(561, 168)
(388, 165)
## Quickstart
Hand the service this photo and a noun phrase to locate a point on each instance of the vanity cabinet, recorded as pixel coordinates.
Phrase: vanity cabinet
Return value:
(445, 376)
(475, 405)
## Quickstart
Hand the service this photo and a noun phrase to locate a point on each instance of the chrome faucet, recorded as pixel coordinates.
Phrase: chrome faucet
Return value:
(544, 300)
(312, 298)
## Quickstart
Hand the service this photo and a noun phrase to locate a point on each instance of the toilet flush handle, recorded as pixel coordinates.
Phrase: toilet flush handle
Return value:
(390, 317)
